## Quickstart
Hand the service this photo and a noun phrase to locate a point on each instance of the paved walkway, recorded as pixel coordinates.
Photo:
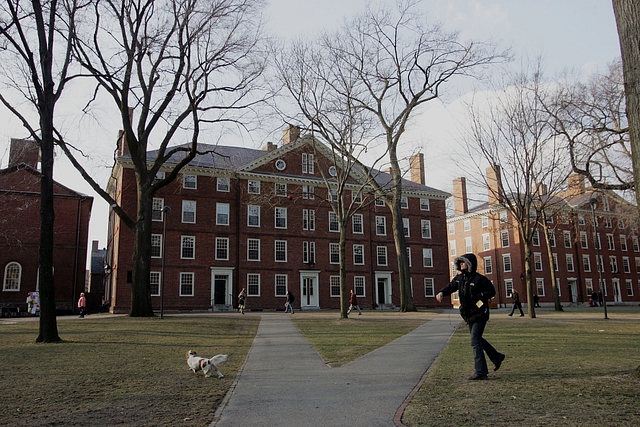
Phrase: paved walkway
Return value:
(285, 383)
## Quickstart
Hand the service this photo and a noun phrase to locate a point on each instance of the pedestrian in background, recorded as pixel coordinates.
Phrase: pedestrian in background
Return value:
(82, 304)
(516, 303)
(353, 303)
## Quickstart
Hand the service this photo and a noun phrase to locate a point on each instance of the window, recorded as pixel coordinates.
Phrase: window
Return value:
(552, 238)
(485, 221)
(12, 277)
(253, 216)
(634, 243)
(466, 225)
(381, 226)
(584, 242)
(452, 247)
(157, 209)
(253, 284)
(307, 163)
(190, 181)
(409, 256)
(620, 223)
(253, 187)
(333, 195)
(379, 201)
(504, 237)
(356, 197)
(452, 228)
(156, 245)
(535, 238)
(570, 266)
(608, 223)
(405, 227)
(468, 246)
(334, 253)
(596, 238)
(382, 255)
(566, 236)
(623, 242)
(427, 257)
(186, 284)
(589, 285)
(503, 217)
(488, 265)
(334, 285)
(358, 286)
(281, 251)
(425, 226)
(281, 164)
(554, 257)
(308, 219)
(357, 223)
(308, 192)
(429, 288)
(540, 286)
(558, 287)
(586, 263)
(281, 285)
(486, 242)
(637, 265)
(188, 211)
(358, 254)
(537, 261)
(154, 283)
(309, 252)
(600, 263)
(188, 247)
(613, 262)
(626, 266)
(611, 242)
(222, 184)
(581, 220)
(629, 286)
(506, 263)
(334, 225)
(222, 213)
(253, 249)
(508, 287)
(424, 205)
(281, 189)
(222, 248)
(281, 217)
(404, 203)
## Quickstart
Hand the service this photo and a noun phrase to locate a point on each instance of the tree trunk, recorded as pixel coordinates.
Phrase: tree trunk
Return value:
(627, 13)
(406, 299)
(528, 280)
(140, 289)
(344, 299)
(552, 271)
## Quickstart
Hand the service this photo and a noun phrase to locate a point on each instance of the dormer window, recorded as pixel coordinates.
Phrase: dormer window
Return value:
(307, 163)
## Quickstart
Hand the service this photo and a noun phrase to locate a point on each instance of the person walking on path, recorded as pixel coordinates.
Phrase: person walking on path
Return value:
(288, 305)
(82, 304)
(516, 303)
(353, 303)
(241, 300)
(474, 291)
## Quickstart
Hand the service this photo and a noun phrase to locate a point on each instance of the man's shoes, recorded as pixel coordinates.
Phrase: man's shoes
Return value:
(511, 315)
(475, 377)
(522, 315)
(497, 365)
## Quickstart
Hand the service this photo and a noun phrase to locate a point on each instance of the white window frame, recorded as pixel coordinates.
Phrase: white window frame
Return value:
(190, 182)
(154, 280)
(156, 243)
(425, 227)
(253, 245)
(381, 226)
(429, 287)
(187, 281)
(334, 253)
(253, 186)
(427, 257)
(281, 282)
(381, 256)
(186, 243)
(358, 254)
(357, 223)
(334, 225)
(280, 251)
(488, 265)
(405, 227)
(188, 207)
(425, 205)
(12, 277)
(157, 209)
(280, 217)
(223, 185)
(253, 216)
(222, 217)
(507, 266)
(219, 242)
(253, 284)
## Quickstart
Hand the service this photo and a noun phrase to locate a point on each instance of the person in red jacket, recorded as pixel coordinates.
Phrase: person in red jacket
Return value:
(82, 303)
(353, 303)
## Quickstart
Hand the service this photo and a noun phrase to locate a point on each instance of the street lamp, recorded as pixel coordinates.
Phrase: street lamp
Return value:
(593, 202)
(165, 211)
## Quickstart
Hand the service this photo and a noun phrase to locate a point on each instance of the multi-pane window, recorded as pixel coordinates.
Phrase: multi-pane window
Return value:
(425, 226)
(620, 223)
(381, 226)
(188, 247)
(535, 238)
(253, 249)
(488, 265)
(358, 286)
(307, 163)
(189, 211)
(190, 181)
(452, 247)
(409, 256)
(506, 263)
(508, 287)
(281, 189)
(586, 263)
(566, 235)
(253, 284)
(629, 286)
(427, 257)
(309, 252)
(626, 266)
(334, 253)
(253, 187)
(584, 241)
(405, 227)
(186, 284)
(356, 197)
(379, 201)
(222, 213)
(611, 245)
(281, 217)
(404, 202)
(253, 216)
(358, 254)
(581, 220)
(623, 242)
(159, 176)
(637, 265)
(381, 252)
(600, 262)
(12, 277)
(222, 248)
(154, 283)
(503, 216)
(429, 287)
(537, 261)
(552, 238)
(485, 221)
(281, 285)
(589, 285)
(333, 195)
(156, 245)
(540, 286)
(424, 205)
(308, 219)
(597, 243)
(613, 263)
(357, 221)
(554, 257)
(281, 251)
(157, 209)
(486, 242)
(466, 225)
(608, 223)
(452, 228)
(570, 265)
(222, 185)
(334, 285)
(504, 238)
(635, 244)
(468, 245)
(334, 225)
(308, 192)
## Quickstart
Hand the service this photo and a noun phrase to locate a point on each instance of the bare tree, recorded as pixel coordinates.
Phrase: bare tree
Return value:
(183, 66)
(36, 58)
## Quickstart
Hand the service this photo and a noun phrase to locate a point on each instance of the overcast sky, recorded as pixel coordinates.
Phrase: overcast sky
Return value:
(567, 34)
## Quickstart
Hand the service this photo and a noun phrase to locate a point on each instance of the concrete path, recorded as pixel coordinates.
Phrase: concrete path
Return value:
(285, 383)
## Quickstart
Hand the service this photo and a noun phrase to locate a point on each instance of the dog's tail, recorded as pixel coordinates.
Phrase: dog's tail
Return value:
(220, 358)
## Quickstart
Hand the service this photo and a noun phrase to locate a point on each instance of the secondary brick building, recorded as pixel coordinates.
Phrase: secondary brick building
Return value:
(258, 219)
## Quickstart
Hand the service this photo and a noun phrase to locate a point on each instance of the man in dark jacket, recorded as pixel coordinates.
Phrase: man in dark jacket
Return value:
(474, 291)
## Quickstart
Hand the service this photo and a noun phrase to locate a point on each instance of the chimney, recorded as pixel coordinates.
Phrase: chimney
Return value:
(94, 245)
(541, 189)
(576, 184)
(460, 203)
(494, 184)
(24, 151)
(290, 134)
(270, 146)
(416, 165)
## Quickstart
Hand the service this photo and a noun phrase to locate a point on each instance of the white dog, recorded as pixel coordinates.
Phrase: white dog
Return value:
(205, 365)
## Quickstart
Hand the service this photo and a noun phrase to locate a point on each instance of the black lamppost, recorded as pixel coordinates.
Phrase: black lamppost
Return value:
(593, 202)
(165, 211)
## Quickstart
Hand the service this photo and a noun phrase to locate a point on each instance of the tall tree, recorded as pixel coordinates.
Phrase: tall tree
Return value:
(36, 59)
(183, 66)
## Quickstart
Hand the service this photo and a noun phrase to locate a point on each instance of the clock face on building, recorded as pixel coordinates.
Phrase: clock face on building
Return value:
(333, 171)
(280, 164)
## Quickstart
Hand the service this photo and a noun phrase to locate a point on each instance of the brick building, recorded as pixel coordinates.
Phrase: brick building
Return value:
(20, 231)
(258, 219)
(490, 232)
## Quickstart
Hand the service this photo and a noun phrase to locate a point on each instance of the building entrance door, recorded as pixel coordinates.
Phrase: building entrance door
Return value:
(309, 291)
